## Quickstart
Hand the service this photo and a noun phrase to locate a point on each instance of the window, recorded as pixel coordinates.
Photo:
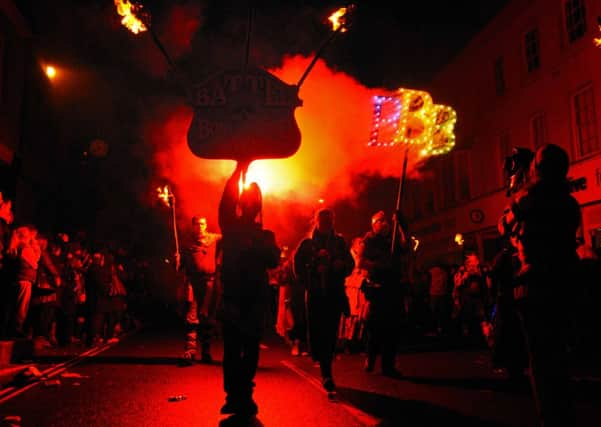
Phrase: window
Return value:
(587, 140)
(575, 15)
(448, 183)
(538, 124)
(505, 149)
(2, 83)
(531, 43)
(462, 164)
(428, 199)
(414, 207)
(499, 73)
(492, 244)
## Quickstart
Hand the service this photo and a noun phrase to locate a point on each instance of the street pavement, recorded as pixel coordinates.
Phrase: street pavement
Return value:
(133, 383)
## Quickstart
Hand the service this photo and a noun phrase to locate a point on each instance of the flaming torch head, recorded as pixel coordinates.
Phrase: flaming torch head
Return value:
(130, 13)
(340, 18)
(165, 195)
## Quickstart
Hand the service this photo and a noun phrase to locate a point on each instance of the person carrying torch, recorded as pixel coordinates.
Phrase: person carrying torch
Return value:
(383, 290)
(248, 251)
(200, 265)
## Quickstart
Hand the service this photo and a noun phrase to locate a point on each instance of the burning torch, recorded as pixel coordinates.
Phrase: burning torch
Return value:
(168, 198)
(340, 21)
(136, 20)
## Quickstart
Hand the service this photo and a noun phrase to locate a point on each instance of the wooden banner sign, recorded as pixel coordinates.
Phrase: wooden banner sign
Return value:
(244, 114)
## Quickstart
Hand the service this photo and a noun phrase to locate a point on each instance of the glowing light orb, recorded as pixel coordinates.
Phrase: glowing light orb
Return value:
(50, 71)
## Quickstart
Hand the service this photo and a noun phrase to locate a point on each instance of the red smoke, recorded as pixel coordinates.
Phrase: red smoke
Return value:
(335, 122)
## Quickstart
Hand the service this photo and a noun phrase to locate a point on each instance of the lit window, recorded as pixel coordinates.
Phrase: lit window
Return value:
(532, 50)
(575, 15)
(587, 139)
(539, 130)
(499, 72)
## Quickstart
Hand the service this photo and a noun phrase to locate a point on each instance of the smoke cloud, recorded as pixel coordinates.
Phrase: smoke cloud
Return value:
(335, 122)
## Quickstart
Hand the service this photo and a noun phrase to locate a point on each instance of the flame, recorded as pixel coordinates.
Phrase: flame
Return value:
(164, 194)
(130, 20)
(459, 239)
(338, 20)
(415, 242)
(598, 41)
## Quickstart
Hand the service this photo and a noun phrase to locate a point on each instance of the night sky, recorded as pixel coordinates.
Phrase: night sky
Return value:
(117, 87)
(390, 45)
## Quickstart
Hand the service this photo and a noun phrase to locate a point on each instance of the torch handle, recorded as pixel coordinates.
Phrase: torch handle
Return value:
(177, 253)
(182, 79)
(399, 200)
(318, 54)
(156, 40)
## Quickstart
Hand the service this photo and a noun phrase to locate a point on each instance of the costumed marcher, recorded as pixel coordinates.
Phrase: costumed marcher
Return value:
(44, 293)
(98, 282)
(200, 266)
(22, 260)
(351, 332)
(470, 291)
(6, 219)
(440, 298)
(291, 324)
(544, 218)
(383, 291)
(248, 251)
(508, 349)
(322, 262)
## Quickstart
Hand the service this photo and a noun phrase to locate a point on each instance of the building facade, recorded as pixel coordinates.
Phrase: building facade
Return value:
(29, 151)
(15, 39)
(532, 76)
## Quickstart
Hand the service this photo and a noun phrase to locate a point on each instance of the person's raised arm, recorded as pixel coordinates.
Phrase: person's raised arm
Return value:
(230, 196)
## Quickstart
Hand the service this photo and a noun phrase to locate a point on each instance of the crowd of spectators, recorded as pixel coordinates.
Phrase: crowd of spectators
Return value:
(57, 289)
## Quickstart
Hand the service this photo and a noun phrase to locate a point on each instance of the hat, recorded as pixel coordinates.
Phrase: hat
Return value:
(378, 216)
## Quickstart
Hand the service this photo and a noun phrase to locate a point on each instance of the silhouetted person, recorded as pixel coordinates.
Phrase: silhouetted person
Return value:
(248, 252)
(508, 350)
(544, 218)
(384, 293)
(322, 262)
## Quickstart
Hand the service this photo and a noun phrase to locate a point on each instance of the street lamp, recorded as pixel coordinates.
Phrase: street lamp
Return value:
(50, 71)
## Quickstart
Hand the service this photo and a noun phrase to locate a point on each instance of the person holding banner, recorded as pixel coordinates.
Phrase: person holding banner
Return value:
(248, 252)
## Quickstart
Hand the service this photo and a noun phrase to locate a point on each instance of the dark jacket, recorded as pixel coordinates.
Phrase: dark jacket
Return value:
(325, 275)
